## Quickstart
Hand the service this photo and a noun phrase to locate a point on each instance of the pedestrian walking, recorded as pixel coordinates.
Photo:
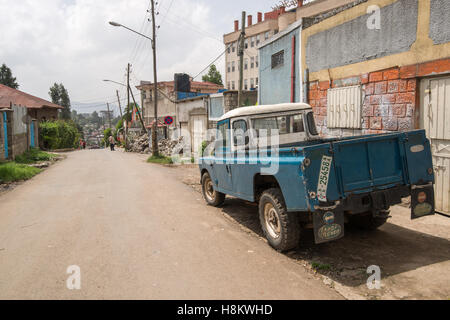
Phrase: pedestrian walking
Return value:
(111, 142)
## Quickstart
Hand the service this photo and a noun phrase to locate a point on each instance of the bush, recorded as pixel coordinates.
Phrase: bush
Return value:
(34, 155)
(11, 171)
(59, 134)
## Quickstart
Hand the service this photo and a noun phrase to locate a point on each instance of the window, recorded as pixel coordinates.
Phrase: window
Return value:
(284, 125)
(233, 86)
(229, 67)
(252, 62)
(252, 83)
(344, 107)
(252, 42)
(275, 31)
(257, 61)
(246, 44)
(239, 132)
(266, 35)
(222, 136)
(232, 66)
(229, 49)
(245, 84)
(257, 39)
(228, 85)
(278, 59)
(257, 81)
(233, 47)
(245, 64)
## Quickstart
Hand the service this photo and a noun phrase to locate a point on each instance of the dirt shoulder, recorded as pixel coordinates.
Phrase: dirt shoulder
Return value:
(414, 256)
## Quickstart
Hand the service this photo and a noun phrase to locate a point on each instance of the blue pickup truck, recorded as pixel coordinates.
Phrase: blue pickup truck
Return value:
(274, 156)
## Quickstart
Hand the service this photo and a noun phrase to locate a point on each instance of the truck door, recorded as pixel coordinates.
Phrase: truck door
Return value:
(435, 119)
(223, 156)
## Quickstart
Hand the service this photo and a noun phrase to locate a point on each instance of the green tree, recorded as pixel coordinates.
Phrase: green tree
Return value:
(60, 96)
(213, 76)
(6, 77)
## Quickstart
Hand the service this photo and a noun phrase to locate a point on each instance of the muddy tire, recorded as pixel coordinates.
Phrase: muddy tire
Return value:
(211, 196)
(281, 228)
(367, 221)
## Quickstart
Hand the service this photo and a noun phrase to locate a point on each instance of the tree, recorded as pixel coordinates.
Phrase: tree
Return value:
(6, 77)
(60, 96)
(213, 76)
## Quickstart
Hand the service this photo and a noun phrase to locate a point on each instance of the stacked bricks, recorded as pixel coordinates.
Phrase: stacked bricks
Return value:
(389, 102)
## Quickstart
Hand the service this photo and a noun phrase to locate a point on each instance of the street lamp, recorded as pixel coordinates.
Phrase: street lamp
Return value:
(115, 82)
(155, 150)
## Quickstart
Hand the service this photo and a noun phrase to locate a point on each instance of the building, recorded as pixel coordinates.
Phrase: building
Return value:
(256, 33)
(39, 109)
(167, 97)
(20, 114)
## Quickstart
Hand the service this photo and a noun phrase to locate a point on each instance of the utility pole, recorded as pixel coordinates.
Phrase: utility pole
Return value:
(128, 106)
(120, 107)
(155, 150)
(109, 116)
(241, 60)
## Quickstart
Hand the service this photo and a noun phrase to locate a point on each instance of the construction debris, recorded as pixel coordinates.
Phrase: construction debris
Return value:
(141, 144)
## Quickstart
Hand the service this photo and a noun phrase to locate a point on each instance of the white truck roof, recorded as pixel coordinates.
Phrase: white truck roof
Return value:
(273, 108)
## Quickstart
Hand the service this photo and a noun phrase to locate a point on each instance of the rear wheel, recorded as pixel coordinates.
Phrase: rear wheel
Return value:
(211, 196)
(281, 228)
(367, 221)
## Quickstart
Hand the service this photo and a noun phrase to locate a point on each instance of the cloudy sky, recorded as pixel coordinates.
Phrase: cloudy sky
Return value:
(70, 41)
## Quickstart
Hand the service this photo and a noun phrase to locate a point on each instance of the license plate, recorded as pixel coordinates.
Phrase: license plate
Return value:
(324, 176)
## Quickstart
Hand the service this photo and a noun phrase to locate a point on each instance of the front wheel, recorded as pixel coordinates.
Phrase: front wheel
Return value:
(281, 228)
(211, 196)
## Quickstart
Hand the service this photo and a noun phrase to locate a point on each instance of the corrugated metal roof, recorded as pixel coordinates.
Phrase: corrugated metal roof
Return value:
(9, 95)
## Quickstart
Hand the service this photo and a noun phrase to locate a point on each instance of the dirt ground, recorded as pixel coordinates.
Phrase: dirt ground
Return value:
(414, 256)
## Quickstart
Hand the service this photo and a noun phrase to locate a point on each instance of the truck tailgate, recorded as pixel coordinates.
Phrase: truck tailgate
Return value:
(363, 164)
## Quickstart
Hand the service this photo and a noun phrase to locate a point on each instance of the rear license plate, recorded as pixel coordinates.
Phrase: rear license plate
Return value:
(422, 201)
(324, 175)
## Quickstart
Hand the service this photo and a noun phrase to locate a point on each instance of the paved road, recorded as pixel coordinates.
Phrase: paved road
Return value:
(136, 232)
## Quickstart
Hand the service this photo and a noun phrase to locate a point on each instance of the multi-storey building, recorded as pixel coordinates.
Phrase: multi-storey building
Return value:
(255, 34)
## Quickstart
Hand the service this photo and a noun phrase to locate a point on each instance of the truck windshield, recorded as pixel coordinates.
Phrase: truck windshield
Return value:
(284, 124)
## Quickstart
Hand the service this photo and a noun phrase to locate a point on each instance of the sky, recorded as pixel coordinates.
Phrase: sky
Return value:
(71, 42)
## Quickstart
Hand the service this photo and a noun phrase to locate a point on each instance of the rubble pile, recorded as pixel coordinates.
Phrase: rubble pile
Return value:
(140, 144)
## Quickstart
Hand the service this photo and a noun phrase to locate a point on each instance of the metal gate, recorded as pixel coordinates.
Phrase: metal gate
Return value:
(435, 119)
(5, 133)
(198, 132)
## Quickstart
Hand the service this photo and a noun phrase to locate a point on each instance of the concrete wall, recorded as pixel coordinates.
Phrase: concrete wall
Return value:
(353, 42)
(440, 21)
(275, 84)
(422, 50)
(184, 108)
(43, 114)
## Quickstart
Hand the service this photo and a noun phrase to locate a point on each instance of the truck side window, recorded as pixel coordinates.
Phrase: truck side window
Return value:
(239, 132)
(311, 124)
(297, 123)
(223, 138)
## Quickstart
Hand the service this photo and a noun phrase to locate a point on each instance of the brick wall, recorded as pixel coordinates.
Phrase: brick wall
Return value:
(390, 97)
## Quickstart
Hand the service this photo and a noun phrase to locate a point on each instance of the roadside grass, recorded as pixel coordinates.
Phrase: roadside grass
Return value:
(320, 266)
(160, 160)
(11, 171)
(34, 155)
